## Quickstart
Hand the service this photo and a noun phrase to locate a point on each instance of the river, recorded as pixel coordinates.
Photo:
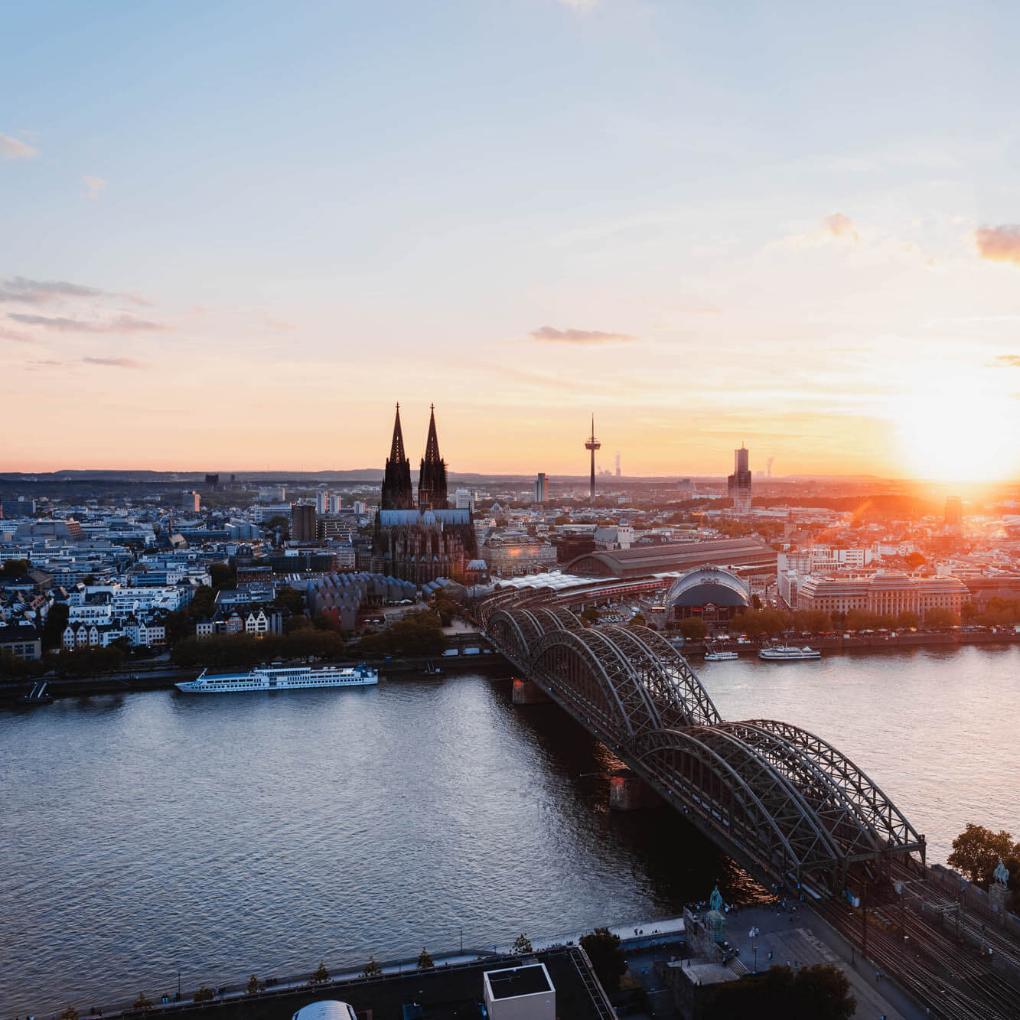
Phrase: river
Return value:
(152, 833)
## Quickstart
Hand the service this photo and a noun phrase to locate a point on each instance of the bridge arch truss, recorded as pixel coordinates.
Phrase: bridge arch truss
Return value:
(784, 803)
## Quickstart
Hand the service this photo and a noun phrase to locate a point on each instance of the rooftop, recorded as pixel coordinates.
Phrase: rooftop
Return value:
(653, 559)
(515, 981)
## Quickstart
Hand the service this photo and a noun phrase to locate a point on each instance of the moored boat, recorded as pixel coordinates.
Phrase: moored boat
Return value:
(788, 653)
(281, 678)
(720, 656)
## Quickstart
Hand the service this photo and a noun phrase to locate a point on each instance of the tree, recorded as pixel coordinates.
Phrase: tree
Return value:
(589, 616)
(203, 994)
(416, 634)
(693, 629)
(607, 959)
(820, 992)
(14, 568)
(254, 986)
(69, 1014)
(372, 969)
(907, 620)
(56, 624)
(320, 976)
(522, 945)
(290, 600)
(141, 1002)
(976, 852)
(222, 575)
(637, 620)
(425, 960)
(203, 602)
(940, 619)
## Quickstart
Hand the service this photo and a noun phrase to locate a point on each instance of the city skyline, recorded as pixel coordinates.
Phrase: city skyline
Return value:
(822, 266)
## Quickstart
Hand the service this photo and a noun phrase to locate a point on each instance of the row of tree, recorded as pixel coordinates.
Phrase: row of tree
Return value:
(415, 634)
(996, 613)
(81, 662)
(771, 623)
(245, 650)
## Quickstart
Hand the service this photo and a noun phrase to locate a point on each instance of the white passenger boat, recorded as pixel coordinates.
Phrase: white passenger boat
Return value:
(720, 656)
(788, 653)
(281, 678)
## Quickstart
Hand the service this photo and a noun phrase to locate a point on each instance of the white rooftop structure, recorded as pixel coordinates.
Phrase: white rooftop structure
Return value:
(326, 1009)
(520, 993)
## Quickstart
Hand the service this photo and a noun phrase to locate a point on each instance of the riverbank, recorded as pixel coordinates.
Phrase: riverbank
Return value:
(860, 642)
(148, 677)
(163, 678)
(235, 998)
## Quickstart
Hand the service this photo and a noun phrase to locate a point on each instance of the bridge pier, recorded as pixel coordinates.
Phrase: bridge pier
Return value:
(527, 692)
(629, 793)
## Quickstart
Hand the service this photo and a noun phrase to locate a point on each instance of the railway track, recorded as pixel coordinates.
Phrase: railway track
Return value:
(946, 974)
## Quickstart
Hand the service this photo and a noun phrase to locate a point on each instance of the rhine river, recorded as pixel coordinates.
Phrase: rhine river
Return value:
(154, 833)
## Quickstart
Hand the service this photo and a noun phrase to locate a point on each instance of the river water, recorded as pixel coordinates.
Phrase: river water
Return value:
(220, 836)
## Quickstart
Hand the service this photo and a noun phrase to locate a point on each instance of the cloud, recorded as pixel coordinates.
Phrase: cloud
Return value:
(93, 187)
(579, 336)
(34, 292)
(999, 244)
(61, 324)
(840, 225)
(580, 5)
(15, 337)
(113, 362)
(1008, 360)
(836, 228)
(14, 148)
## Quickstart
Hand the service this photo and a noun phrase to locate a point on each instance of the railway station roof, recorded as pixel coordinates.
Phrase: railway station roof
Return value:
(641, 561)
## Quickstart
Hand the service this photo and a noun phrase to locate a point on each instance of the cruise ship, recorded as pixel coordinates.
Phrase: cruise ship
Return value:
(715, 656)
(281, 678)
(788, 653)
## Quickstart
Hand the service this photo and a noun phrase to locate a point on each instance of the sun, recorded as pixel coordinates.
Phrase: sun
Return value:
(959, 425)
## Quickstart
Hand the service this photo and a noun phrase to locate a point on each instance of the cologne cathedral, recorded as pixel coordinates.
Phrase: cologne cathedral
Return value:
(420, 540)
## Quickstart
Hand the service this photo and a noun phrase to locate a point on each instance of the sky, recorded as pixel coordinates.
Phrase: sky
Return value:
(232, 235)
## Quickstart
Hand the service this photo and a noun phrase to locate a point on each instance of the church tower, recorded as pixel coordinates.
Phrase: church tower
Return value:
(432, 478)
(397, 493)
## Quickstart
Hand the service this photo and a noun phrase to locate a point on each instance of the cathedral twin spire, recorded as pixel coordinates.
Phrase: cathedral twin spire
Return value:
(397, 493)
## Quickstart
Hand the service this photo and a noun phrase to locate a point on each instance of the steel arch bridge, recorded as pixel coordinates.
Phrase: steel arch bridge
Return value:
(786, 805)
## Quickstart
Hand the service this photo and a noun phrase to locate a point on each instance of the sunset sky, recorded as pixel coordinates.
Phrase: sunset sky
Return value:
(233, 234)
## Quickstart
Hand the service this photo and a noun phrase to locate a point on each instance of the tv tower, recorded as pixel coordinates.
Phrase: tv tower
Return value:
(592, 444)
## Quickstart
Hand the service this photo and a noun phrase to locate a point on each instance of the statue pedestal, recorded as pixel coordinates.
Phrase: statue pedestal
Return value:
(997, 896)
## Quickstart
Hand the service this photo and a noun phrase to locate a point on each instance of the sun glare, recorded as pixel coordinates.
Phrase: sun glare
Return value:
(959, 428)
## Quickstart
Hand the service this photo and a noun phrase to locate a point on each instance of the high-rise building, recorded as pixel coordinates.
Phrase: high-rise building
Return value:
(463, 500)
(954, 512)
(618, 473)
(322, 502)
(739, 483)
(335, 504)
(191, 501)
(592, 444)
(302, 522)
(397, 493)
(432, 476)
(540, 487)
